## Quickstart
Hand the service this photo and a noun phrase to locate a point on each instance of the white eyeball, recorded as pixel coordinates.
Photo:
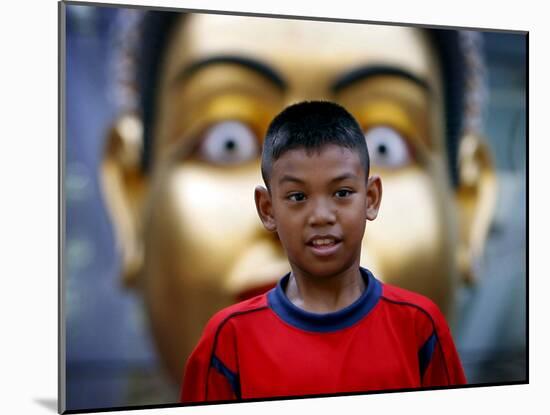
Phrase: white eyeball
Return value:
(229, 142)
(387, 148)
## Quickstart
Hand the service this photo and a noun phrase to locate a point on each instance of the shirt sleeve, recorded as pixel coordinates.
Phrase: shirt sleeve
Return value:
(439, 360)
(211, 373)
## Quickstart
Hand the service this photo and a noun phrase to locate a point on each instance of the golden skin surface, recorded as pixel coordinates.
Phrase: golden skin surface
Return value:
(200, 243)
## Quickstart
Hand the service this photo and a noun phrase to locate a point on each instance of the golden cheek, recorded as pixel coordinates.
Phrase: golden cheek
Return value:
(207, 221)
(410, 244)
(213, 212)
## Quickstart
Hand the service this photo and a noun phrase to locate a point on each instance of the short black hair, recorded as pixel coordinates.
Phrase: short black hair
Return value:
(155, 34)
(312, 125)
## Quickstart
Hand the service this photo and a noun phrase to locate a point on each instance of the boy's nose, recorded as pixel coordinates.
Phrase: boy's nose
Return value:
(322, 214)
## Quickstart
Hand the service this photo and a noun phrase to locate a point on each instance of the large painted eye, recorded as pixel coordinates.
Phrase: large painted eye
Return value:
(229, 142)
(387, 148)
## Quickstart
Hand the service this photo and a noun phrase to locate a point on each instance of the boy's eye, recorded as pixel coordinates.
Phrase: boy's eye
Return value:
(229, 142)
(296, 197)
(343, 193)
(387, 148)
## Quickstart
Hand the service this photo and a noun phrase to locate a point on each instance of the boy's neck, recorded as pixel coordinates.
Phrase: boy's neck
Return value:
(325, 294)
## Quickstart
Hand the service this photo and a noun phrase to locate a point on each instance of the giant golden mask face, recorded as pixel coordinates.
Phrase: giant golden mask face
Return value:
(189, 229)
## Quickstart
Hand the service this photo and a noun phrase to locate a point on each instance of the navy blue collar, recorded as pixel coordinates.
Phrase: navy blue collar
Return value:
(326, 322)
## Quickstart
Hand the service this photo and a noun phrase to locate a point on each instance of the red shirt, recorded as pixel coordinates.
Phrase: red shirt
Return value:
(389, 338)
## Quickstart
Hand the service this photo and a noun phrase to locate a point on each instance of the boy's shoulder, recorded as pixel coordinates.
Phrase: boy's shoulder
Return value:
(402, 297)
(221, 317)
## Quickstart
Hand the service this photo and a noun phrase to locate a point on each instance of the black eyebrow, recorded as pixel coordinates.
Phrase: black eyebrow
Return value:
(366, 72)
(249, 63)
(288, 178)
(344, 177)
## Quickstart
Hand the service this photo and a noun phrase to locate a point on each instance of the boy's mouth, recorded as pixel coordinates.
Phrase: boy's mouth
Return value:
(323, 245)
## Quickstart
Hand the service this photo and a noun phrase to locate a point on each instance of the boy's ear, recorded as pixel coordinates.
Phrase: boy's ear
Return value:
(123, 187)
(262, 197)
(476, 199)
(374, 196)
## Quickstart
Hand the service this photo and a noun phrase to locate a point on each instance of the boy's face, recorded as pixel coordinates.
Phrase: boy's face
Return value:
(318, 205)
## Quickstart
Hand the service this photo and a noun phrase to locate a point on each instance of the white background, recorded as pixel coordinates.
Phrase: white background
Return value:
(28, 215)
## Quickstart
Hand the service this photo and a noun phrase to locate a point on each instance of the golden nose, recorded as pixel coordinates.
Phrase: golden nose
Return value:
(261, 264)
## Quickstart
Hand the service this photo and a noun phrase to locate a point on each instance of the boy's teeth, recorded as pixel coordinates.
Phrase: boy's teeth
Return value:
(320, 242)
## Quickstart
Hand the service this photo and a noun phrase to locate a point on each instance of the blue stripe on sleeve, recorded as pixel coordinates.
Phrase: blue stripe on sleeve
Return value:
(233, 378)
(425, 353)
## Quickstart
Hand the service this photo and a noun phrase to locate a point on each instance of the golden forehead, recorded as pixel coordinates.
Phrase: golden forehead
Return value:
(281, 42)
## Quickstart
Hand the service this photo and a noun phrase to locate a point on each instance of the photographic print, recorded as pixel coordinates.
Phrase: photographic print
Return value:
(191, 276)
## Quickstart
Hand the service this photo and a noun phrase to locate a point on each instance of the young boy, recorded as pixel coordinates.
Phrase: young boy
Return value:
(329, 326)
